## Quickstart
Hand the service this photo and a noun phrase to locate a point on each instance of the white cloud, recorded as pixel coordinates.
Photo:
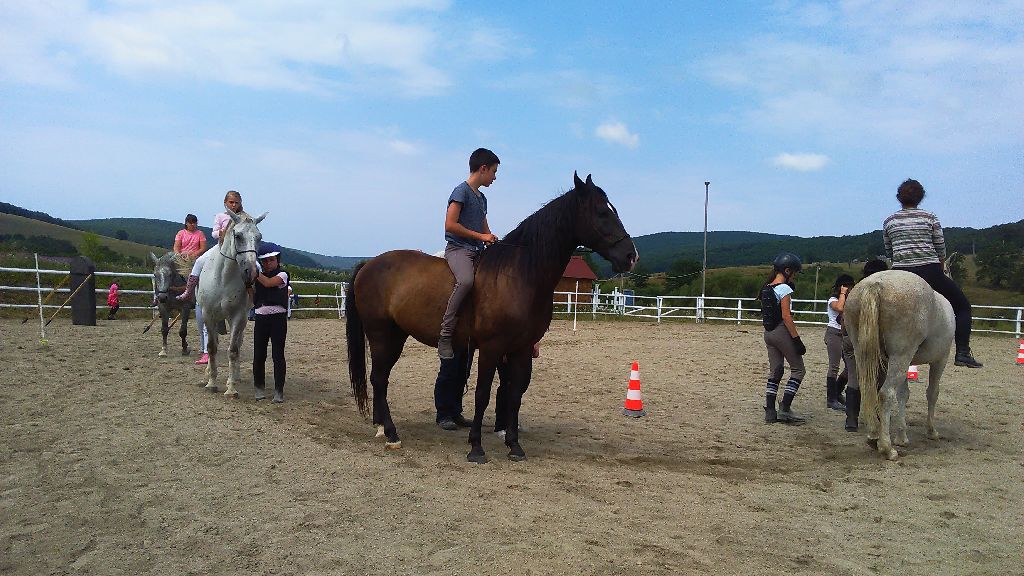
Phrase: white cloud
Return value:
(320, 45)
(617, 133)
(801, 162)
(936, 75)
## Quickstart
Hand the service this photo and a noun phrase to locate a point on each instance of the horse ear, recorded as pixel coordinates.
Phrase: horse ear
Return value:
(234, 217)
(260, 218)
(153, 256)
(578, 184)
(589, 181)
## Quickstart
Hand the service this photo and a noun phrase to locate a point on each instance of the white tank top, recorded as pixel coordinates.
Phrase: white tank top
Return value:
(833, 316)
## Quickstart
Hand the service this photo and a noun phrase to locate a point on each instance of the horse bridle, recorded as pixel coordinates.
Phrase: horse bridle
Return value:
(235, 257)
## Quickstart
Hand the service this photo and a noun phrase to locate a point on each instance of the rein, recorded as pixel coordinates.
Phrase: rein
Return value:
(235, 257)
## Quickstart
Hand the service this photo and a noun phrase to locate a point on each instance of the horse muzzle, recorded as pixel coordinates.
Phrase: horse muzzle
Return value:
(623, 255)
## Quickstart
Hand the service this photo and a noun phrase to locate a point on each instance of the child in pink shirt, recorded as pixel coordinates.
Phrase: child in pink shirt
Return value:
(113, 300)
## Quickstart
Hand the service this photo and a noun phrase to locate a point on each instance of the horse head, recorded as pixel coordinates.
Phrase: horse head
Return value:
(164, 273)
(598, 226)
(245, 239)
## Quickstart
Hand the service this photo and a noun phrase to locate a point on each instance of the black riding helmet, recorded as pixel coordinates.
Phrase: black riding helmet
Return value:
(787, 260)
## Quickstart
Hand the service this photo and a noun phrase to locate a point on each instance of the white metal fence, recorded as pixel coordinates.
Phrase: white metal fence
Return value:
(330, 297)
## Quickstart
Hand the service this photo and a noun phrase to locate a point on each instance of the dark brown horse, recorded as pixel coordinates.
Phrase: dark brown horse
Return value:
(403, 293)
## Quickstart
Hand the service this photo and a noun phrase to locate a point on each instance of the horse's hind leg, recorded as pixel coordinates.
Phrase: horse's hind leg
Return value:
(886, 402)
(384, 354)
(934, 375)
(900, 428)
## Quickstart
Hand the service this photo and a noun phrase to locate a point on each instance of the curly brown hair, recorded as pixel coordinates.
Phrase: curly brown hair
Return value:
(910, 193)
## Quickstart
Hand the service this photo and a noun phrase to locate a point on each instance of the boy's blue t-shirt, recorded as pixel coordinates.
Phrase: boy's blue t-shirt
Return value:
(474, 210)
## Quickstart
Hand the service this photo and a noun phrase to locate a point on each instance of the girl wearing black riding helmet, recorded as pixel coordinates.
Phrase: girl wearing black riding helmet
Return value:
(914, 241)
(834, 342)
(781, 339)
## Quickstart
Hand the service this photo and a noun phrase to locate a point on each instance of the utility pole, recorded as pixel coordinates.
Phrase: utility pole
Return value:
(704, 268)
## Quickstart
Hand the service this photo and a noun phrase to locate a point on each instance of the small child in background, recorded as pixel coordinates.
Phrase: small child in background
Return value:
(113, 300)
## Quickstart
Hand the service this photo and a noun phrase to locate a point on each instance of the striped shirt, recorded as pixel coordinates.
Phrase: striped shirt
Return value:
(913, 237)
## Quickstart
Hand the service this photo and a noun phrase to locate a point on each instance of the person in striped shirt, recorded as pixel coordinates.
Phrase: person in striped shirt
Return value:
(913, 240)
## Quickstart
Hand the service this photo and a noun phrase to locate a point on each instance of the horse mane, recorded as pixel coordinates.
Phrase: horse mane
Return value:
(532, 243)
(231, 225)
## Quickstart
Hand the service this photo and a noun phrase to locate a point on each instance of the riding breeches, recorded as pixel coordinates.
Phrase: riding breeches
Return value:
(932, 274)
(462, 263)
(834, 346)
(781, 348)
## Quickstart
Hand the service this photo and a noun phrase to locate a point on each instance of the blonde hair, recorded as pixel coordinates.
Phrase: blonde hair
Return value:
(237, 195)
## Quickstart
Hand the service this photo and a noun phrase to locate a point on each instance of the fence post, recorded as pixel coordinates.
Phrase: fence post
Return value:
(1017, 329)
(42, 320)
(739, 311)
(593, 301)
(659, 309)
(337, 298)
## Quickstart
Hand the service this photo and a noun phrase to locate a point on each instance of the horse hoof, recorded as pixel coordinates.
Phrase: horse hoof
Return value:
(517, 457)
(476, 456)
(260, 395)
(186, 352)
(396, 445)
(901, 441)
(933, 435)
(380, 432)
(212, 388)
(892, 455)
(231, 393)
(162, 354)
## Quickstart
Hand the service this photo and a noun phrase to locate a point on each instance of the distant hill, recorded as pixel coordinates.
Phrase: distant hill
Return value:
(13, 224)
(162, 232)
(657, 251)
(730, 248)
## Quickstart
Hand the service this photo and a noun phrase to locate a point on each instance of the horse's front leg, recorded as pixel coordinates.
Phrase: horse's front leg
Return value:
(164, 329)
(487, 363)
(183, 331)
(234, 353)
(514, 375)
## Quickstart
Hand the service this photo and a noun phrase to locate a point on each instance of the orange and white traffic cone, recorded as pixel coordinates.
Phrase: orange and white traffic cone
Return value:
(634, 402)
(912, 373)
(1020, 354)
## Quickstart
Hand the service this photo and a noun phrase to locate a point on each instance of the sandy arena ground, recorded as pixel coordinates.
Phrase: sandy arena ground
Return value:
(113, 461)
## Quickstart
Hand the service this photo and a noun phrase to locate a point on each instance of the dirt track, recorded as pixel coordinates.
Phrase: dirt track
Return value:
(113, 461)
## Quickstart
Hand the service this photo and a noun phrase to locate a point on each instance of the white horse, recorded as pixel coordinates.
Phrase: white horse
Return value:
(223, 292)
(895, 319)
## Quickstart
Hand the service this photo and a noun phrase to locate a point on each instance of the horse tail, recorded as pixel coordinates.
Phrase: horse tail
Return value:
(869, 347)
(356, 341)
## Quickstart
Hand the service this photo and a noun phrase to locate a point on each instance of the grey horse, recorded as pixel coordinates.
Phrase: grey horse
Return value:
(895, 319)
(223, 292)
(169, 282)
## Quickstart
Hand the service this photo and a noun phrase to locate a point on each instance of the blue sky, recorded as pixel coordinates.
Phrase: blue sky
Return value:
(352, 121)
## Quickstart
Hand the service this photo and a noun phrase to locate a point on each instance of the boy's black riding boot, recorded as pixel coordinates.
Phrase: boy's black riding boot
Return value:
(786, 415)
(831, 392)
(852, 408)
(964, 358)
(770, 414)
